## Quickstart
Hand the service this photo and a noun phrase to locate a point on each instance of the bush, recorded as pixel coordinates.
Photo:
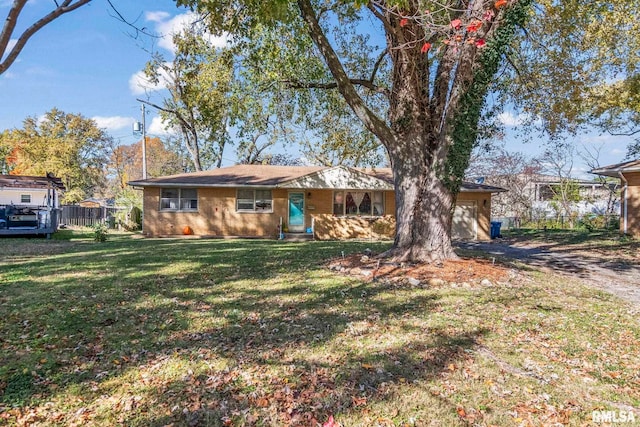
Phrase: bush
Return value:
(599, 222)
(100, 231)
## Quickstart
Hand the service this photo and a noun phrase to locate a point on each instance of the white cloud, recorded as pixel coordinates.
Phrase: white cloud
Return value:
(113, 123)
(159, 128)
(604, 139)
(157, 16)
(168, 27)
(509, 119)
(139, 84)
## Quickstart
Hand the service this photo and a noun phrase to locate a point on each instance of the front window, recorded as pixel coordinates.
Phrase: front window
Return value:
(368, 203)
(25, 198)
(338, 203)
(254, 201)
(179, 199)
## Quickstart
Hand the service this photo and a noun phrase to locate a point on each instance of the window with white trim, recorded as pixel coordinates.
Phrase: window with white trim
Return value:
(25, 198)
(368, 203)
(178, 199)
(249, 200)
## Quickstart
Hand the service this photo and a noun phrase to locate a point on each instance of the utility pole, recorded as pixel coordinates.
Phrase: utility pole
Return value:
(144, 145)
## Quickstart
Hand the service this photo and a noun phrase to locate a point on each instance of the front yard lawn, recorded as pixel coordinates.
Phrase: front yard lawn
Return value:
(254, 332)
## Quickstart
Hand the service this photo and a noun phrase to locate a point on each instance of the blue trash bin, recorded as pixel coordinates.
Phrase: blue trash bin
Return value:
(495, 229)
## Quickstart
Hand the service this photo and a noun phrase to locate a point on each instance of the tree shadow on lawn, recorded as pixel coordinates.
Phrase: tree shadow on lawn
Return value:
(309, 391)
(86, 318)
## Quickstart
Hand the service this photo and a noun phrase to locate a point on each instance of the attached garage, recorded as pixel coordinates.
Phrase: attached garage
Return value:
(465, 221)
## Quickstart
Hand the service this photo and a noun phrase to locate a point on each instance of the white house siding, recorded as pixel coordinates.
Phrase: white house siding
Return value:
(13, 196)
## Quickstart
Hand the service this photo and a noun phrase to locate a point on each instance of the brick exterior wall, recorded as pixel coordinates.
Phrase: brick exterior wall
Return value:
(633, 205)
(217, 216)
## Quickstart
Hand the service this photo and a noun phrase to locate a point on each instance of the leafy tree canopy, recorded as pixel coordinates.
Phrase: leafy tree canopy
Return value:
(70, 146)
(576, 65)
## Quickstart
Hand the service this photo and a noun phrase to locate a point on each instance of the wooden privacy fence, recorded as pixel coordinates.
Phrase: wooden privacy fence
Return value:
(79, 216)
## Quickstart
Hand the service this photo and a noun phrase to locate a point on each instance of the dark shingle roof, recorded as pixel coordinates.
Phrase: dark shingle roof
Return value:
(613, 170)
(21, 181)
(232, 176)
(269, 176)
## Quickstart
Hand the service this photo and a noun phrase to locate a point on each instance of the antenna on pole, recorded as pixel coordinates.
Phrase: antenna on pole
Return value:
(141, 127)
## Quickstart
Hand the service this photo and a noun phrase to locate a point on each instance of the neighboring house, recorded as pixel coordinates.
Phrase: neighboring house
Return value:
(29, 204)
(534, 196)
(629, 175)
(93, 202)
(326, 202)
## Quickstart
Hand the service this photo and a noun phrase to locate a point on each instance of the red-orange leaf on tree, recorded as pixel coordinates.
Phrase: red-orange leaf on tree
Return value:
(474, 26)
(488, 15)
(425, 47)
(480, 43)
(404, 22)
(456, 23)
(500, 3)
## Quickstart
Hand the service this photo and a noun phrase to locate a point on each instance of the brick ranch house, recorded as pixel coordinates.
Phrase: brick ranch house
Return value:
(629, 175)
(327, 202)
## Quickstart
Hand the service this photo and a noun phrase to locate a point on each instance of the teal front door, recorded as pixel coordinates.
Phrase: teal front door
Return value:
(296, 212)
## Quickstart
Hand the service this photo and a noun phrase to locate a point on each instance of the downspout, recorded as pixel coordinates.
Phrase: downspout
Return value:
(625, 203)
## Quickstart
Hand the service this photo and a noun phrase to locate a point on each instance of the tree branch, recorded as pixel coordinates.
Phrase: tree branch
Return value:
(376, 66)
(131, 24)
(377, 126)
(12, 18)
(297, 84)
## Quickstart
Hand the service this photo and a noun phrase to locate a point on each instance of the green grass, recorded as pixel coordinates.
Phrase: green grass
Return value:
(255, 332)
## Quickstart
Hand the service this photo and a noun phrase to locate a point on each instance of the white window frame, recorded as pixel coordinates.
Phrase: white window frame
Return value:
(180, 200)
(372, 194)
(25, 198)
(256, 199)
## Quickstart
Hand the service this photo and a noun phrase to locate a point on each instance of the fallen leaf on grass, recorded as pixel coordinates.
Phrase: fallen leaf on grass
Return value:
(330, 422)
(461, 412)
(359, 401)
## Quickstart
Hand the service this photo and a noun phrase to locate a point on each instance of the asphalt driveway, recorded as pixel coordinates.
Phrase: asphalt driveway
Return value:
(617, 276)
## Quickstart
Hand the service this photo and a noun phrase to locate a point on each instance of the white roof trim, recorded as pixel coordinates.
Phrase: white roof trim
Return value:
(338, 178)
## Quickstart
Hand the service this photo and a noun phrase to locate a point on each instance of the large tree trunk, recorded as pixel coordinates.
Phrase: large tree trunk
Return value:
(424, 205)
(423, 218)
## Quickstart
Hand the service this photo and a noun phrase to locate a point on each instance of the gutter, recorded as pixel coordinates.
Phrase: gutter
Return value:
(626, 204)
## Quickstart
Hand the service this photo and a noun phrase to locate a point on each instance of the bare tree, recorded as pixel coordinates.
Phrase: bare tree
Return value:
(609, 185)
(558, 162)
(513, 171)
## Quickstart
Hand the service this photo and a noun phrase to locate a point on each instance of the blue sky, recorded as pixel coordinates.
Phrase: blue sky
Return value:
(87, 62)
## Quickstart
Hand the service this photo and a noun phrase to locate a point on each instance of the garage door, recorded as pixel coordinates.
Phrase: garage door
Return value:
(465, 221)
